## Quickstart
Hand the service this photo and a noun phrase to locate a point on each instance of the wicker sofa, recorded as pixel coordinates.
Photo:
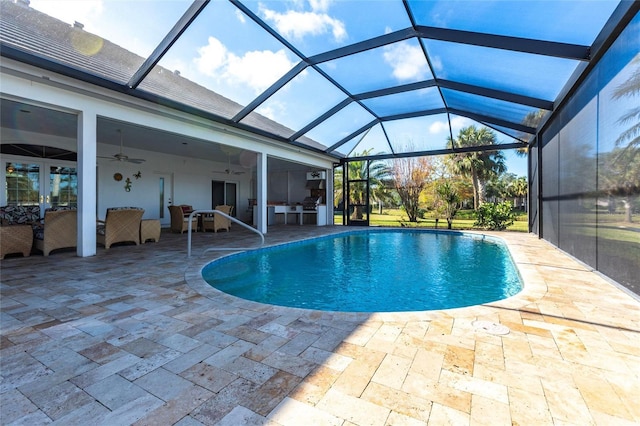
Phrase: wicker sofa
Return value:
(16, 229)
(121, 224)
(59, 230)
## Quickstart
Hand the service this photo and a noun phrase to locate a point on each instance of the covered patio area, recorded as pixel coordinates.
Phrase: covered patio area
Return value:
(133, 335)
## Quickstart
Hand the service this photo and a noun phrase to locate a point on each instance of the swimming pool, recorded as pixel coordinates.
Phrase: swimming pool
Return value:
(372, 271)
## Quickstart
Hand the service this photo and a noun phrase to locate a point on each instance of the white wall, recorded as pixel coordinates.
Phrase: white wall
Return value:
(190, 183)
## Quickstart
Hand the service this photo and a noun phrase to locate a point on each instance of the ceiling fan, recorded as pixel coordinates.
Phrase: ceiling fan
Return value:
(120, 156)
(229, 170)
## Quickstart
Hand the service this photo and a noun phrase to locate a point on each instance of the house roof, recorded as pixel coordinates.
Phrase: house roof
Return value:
(389, 77)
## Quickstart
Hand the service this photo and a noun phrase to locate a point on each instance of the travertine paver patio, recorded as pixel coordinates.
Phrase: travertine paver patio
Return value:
(134, 336)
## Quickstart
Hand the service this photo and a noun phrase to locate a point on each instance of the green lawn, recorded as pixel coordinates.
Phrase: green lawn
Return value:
(397, 217)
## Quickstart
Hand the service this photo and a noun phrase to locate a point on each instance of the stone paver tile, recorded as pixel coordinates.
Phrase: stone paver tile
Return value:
(208, 376)
(565, 401)
(445, 415)
(228, 354)
(397, 419)
(102, 352)
(358, 373)
(265, 348)
(94, 411)
(489, 412)
(520, 380)
(214, 409)
(243, 416)
(279, 330)
(398, 401)
(143, 348)
(189, 359)
(177, 408)
(270, 393)
(149, 364)
(133, 411)
(600, 396)
(299, 343)
(528, 409)
(315, 385)
(294, 365)
(249, 334)
(605, 419)
(188, 421)
(290, 412)
(392, 371)
(420, 386)
(353, 409)
(14, 405)
(115, 391)
(35, 418)
(361, 335)
(458, 360)
(329, 359)
(250, 370)
(60, 400)
(92, 376)
(473, 385)
(427, 364)
(163, 384)
(21, 369)
(180, 342)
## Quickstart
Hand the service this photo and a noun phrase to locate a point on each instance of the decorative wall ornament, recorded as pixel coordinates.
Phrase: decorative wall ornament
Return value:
(117, 177)
(127, 185)
(137, 175)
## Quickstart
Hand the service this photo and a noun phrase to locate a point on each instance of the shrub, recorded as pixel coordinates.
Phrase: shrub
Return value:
(495, 217)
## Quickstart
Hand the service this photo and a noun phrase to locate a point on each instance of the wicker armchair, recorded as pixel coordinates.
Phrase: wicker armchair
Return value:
(122, 224)
(60, 230)
(180, 218)
(217, 221)
(16, 229)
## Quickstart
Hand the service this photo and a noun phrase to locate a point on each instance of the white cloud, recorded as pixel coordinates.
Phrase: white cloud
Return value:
(297, 25)
(256, 69)
(320, 5)
(85, 11)
(240, 16)
(457, 123)
(408, 62)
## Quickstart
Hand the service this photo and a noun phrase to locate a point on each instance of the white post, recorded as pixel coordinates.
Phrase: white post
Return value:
(87, 152)
(261, 196)
(328, 198)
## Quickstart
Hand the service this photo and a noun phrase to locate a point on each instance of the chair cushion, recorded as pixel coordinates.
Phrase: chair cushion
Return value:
(186, 209)
(18, 215)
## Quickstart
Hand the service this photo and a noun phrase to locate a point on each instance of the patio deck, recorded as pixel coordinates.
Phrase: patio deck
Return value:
(134, 336)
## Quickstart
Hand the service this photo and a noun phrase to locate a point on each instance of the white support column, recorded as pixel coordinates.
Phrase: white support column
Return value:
(329, 195)
(261, 196)
(87, 151)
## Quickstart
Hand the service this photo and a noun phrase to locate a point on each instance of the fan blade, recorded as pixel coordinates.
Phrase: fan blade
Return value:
(135, 160)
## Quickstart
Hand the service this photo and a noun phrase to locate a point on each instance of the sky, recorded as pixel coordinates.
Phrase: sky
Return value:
(227, 52)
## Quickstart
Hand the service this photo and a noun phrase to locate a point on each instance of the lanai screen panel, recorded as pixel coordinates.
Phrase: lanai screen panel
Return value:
(294, 70)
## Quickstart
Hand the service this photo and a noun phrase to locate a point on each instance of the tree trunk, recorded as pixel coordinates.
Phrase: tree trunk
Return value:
(449, 223)
(627, 210)
(476, 189)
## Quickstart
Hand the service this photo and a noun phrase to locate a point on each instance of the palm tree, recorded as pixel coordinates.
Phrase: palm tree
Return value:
(448, 201)
(520, 188)
(479, 166)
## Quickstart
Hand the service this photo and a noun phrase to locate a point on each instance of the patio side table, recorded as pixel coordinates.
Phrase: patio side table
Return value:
(149, 230)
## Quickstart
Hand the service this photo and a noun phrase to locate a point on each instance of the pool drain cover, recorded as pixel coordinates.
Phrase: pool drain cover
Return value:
(490, 327)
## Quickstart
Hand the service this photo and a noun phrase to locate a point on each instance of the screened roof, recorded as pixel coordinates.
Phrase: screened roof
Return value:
(388, 76)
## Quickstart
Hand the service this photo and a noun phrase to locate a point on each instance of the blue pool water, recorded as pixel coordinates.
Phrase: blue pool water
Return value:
(372, 271)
